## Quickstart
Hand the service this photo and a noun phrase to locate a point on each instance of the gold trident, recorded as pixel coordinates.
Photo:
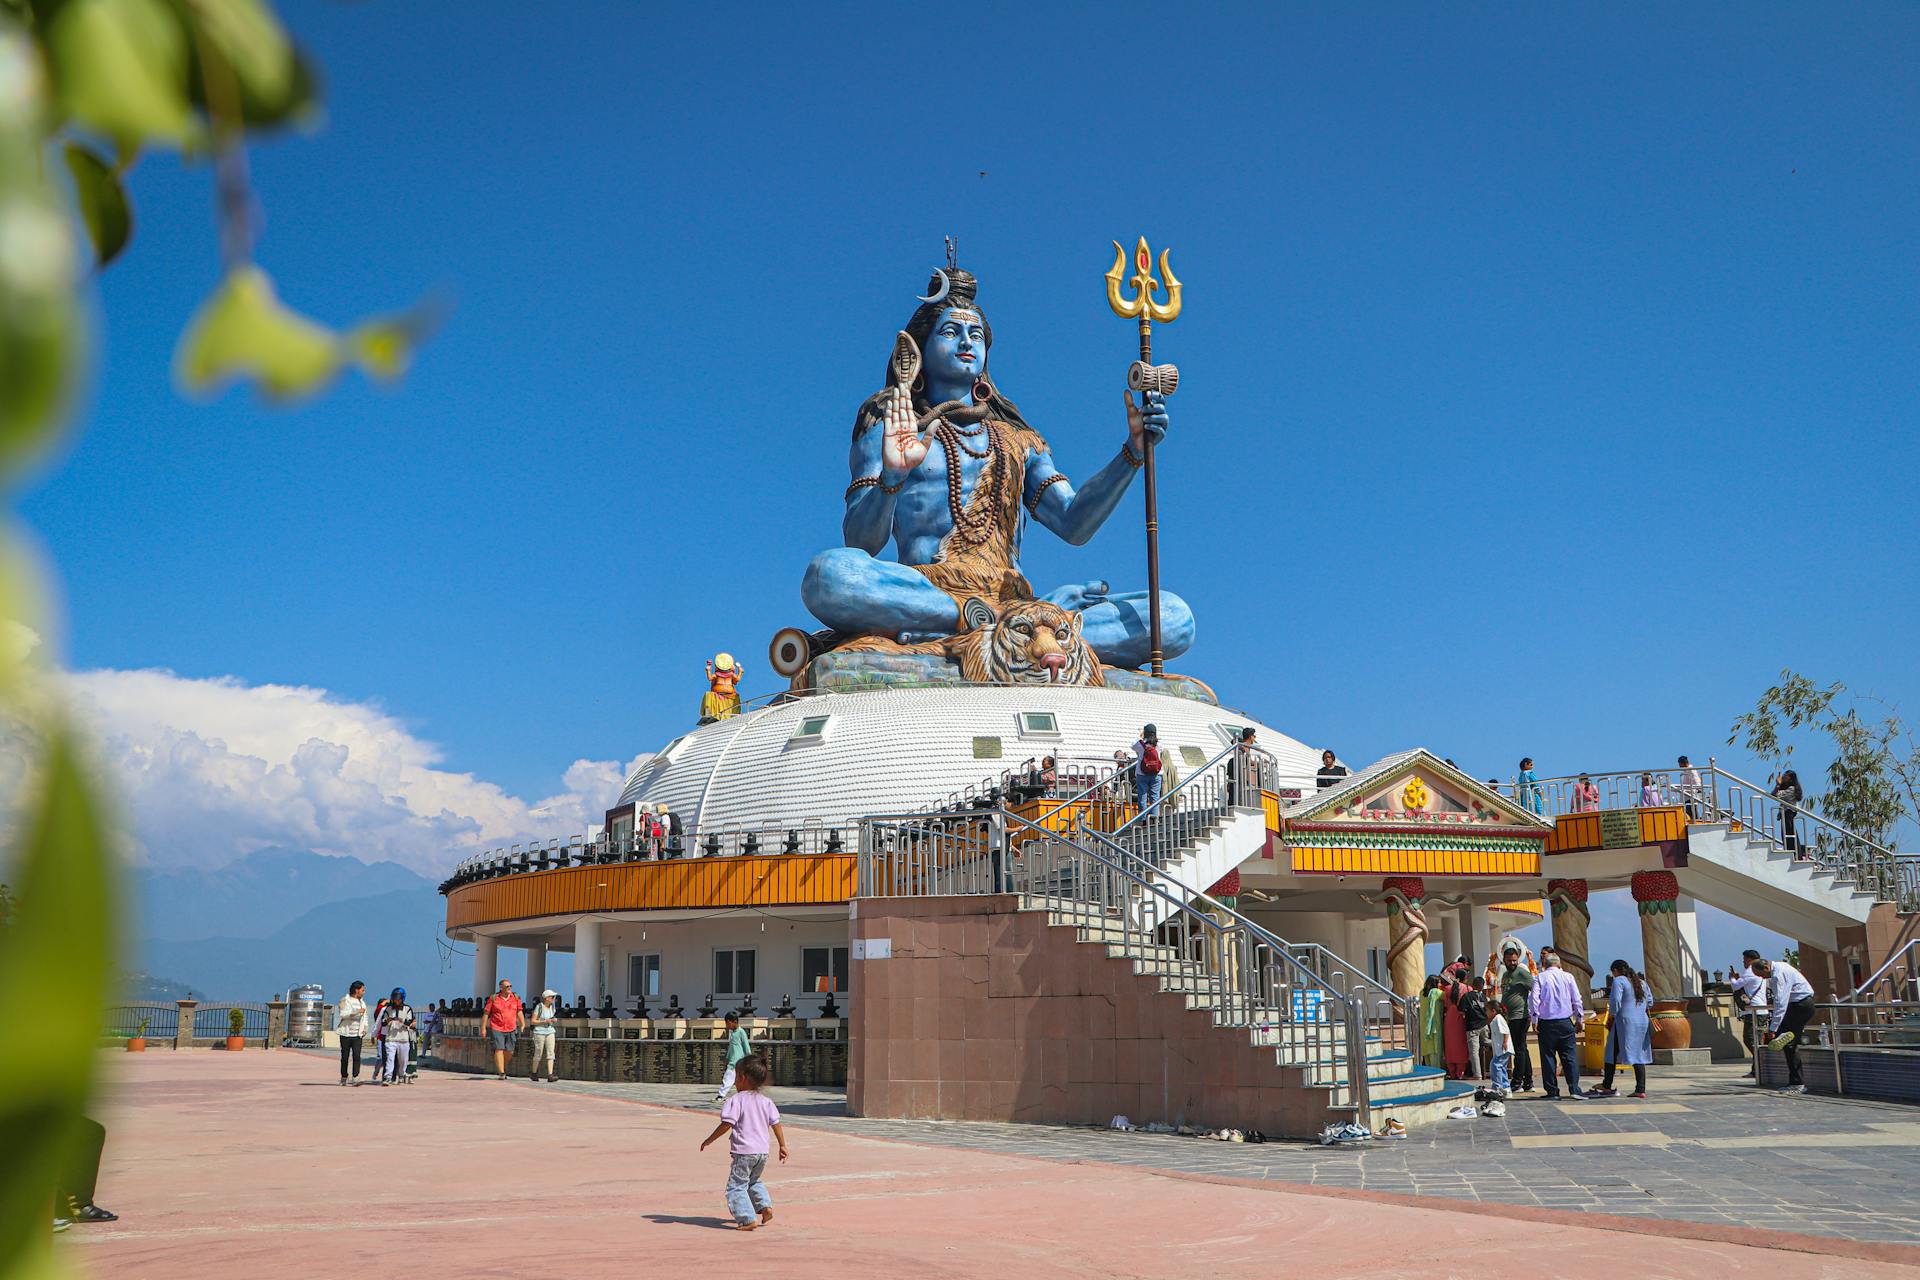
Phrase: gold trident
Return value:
(1145, 377)
(1144, 287)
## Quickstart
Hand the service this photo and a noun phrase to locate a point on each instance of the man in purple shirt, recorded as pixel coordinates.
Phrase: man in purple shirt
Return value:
(1556, 1005)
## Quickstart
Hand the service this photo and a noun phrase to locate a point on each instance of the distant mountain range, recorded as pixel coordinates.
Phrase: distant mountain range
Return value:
(280, 917)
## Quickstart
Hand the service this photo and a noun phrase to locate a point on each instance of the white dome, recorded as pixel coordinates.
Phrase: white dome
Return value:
(896, 750)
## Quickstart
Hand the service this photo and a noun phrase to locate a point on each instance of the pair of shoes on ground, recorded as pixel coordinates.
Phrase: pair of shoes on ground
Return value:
(1794, 1088)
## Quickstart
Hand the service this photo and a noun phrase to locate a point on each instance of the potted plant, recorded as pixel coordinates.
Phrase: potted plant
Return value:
(236, 1022)
(137, 1042)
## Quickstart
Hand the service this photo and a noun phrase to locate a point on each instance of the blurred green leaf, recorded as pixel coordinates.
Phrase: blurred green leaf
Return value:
(244, 332)
(120, 67)
(272, 81)
(40, 327)
(103, 202)
(60, 943)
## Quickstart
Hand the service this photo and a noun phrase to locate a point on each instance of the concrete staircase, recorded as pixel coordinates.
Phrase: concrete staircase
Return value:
(1753, 877)
(1194, 849)
(1398, 1086)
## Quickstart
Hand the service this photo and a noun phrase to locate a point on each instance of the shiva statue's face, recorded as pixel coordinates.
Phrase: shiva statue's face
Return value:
(956, 351)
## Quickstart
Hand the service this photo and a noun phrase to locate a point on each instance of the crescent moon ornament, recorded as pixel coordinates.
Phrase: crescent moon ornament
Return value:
(946, 287)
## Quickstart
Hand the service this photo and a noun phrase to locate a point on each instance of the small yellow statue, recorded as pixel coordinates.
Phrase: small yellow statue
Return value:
(722, 698)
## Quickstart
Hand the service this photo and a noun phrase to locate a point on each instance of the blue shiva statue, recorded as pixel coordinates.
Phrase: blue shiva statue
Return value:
(944, 466)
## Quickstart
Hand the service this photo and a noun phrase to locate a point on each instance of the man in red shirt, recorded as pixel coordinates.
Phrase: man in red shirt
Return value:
(505, 1021)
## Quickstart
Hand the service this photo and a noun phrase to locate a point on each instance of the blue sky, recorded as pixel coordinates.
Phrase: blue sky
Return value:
(1548, 373)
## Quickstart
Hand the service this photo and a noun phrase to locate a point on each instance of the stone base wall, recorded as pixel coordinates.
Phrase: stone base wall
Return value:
(794, 1062)
(982, 1011)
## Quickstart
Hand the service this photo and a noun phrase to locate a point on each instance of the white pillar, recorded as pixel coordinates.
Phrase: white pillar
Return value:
(586, 961)
(536, 971)
(486, 964)
(1689, 948)
(1475, 923)
(1449, 937)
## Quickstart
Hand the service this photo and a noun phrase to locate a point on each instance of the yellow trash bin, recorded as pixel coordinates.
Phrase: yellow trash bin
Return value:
(1593, 1044)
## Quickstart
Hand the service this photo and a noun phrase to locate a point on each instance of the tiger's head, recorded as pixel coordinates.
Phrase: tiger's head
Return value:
(1032, 642)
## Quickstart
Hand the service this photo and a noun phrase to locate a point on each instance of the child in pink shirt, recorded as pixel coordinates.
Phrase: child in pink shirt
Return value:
(750, 1116)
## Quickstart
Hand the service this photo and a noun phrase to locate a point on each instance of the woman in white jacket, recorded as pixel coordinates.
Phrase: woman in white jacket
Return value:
(350, 1023)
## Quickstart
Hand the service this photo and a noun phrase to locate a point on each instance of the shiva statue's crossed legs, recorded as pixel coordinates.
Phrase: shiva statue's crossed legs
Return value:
(852, 591)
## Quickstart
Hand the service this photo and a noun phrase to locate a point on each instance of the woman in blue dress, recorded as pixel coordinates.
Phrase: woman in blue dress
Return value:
(1629, 1029)
(1527, 788)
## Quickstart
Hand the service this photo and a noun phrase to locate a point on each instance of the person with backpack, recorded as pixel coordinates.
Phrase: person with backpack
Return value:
(397, 1026)
(1474, 1019)
(1148, 767)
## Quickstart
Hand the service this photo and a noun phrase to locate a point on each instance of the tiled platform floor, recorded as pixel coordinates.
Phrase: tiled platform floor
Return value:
(1705, 1147)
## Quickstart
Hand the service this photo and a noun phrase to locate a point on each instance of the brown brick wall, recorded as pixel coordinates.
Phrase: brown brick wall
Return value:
(986, 1012)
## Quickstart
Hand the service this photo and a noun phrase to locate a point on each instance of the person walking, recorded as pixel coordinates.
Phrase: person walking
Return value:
(379, 1045)
(1527, 788)
(429, 1028)
(1786, 789)
(543, 1016)
(1330, 772)
(505, 1019)
(1555, 1007)
(748, 1120)
(1431, 1017)
(1649, 792)
(1240, 768)
(397, 1025)
(1586, 796)
(738, 1049)
(350, 1024)
(1629, 1029)
(1516, 985)
(1149, 767)
(1790, 1008)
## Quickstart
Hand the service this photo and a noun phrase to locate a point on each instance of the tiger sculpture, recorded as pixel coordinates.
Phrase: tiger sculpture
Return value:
(1031, 642)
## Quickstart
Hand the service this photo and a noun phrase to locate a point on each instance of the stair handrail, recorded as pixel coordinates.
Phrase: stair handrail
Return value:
(1404, 1007)
(1862, 991)
(1353, 1025)
(1722, 795)
(972, 852)
(1161, 803)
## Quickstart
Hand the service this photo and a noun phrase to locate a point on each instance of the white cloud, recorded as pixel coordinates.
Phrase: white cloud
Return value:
(210, 770)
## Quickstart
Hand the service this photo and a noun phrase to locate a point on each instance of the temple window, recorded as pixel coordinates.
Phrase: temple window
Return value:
(733, 972)
(823, 969)
(812, 730)
(1039, 724)
(643, 975)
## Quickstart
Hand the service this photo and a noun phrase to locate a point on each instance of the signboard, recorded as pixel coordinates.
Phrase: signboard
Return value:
(1306, 1004)
(873, 948)
(1619, 828)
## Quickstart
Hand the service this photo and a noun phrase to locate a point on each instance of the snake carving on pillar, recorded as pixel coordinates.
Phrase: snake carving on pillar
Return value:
(1404, 896)
(1571, 896)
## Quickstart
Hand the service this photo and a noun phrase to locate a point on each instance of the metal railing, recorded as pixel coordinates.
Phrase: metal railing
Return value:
(729, 841)
(1715, 795)
(163, 1020)
(1317, 1009)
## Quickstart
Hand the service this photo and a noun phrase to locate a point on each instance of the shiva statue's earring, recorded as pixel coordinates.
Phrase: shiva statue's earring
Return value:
(982, 390)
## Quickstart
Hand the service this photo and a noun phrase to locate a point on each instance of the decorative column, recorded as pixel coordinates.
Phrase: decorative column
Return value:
(486, 965)
(1450, 944)
(1570, 919)
(536, 971)
(1407, 927)
(1658, 894)
(276, 1023)
(586, 961)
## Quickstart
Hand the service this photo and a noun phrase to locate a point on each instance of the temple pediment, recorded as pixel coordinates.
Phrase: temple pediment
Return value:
(1413, 790)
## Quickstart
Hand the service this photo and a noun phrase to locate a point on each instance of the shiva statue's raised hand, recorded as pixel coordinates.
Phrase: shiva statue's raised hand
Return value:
(903, 447)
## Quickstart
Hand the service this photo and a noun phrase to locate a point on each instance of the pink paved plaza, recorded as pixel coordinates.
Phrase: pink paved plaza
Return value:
(258, 1164)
